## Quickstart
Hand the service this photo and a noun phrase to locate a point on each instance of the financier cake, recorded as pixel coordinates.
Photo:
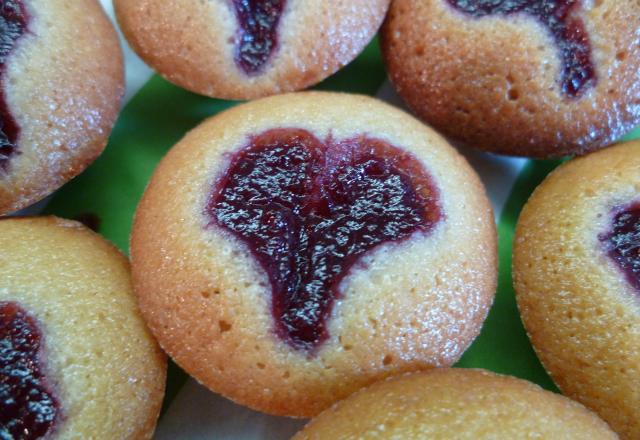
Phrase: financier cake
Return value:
(576, 264)
(243, 49)
(455, 403)
(61, 83)
(76, 359)
(539, 78)
(294, 249)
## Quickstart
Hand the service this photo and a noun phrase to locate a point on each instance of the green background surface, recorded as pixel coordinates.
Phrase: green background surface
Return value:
(160, 114)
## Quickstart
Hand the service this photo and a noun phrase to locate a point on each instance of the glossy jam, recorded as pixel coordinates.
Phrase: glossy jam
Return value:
(258, 38)
(309, 209)
(13, 24)
(623, 242)
(28, 407)
(561, 19)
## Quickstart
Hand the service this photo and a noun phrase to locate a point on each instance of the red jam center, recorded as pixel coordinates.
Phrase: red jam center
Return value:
(28, 406)
(258, 21)
(13, 24)
(309, 209)
(560, 18)
(622, 242)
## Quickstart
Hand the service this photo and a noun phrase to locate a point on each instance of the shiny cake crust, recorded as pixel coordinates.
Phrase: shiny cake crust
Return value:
(63, 86)
(464, 404)
(578, 305)
(105, 369)
(495, 82)
(194, 43)
(402, 307)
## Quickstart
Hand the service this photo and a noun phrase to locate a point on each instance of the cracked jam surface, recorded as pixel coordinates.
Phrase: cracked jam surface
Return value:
(28, 407)
(308, 209)
(13, 24)
(258, 21)
(561, 20)
(622, 242)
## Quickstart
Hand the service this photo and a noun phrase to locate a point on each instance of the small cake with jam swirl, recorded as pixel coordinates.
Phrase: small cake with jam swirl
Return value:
(295, 248)
(245, 49)
(576, 265)
(76, 359)
(537, 78)
(61, 85)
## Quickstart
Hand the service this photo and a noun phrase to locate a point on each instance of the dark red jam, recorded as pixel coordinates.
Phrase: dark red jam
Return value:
(28, 406)
(258, 21)
(308, 209)
(622, 242)
(561, 19)
(13, 24)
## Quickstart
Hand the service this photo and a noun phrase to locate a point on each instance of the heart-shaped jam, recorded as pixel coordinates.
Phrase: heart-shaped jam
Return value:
(258, 36)
(13, 24)
(29, 408)
(562, 21)
(622, 242)
(309, 209)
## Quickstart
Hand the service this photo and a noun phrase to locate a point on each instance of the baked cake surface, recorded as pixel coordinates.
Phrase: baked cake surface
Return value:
(62, 82)
(69, 323)
(244, 49)
(528, 78)
(455, 403)
(215, 298)
(575, 265)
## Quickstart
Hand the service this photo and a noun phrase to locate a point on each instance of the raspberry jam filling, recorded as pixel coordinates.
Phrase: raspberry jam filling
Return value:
(561, 19)
(622, 242)
(13, 24)
(308, 209)
(258, 21)
(28, 406)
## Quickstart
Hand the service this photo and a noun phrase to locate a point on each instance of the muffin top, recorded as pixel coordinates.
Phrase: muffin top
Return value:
(62, 83)
(527, 78)
(576, 273)
(244, 49)
(455, 403)
(293, 249)
(77, 360)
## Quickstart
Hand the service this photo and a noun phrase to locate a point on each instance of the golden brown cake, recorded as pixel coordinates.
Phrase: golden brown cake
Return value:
(542, 78)
(295, 248)
(576, 270)
(76, 359)
(455, 403)
(62, 81)
(243, 49)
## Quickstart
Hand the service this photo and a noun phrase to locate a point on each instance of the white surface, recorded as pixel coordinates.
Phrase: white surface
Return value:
(197, 413)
